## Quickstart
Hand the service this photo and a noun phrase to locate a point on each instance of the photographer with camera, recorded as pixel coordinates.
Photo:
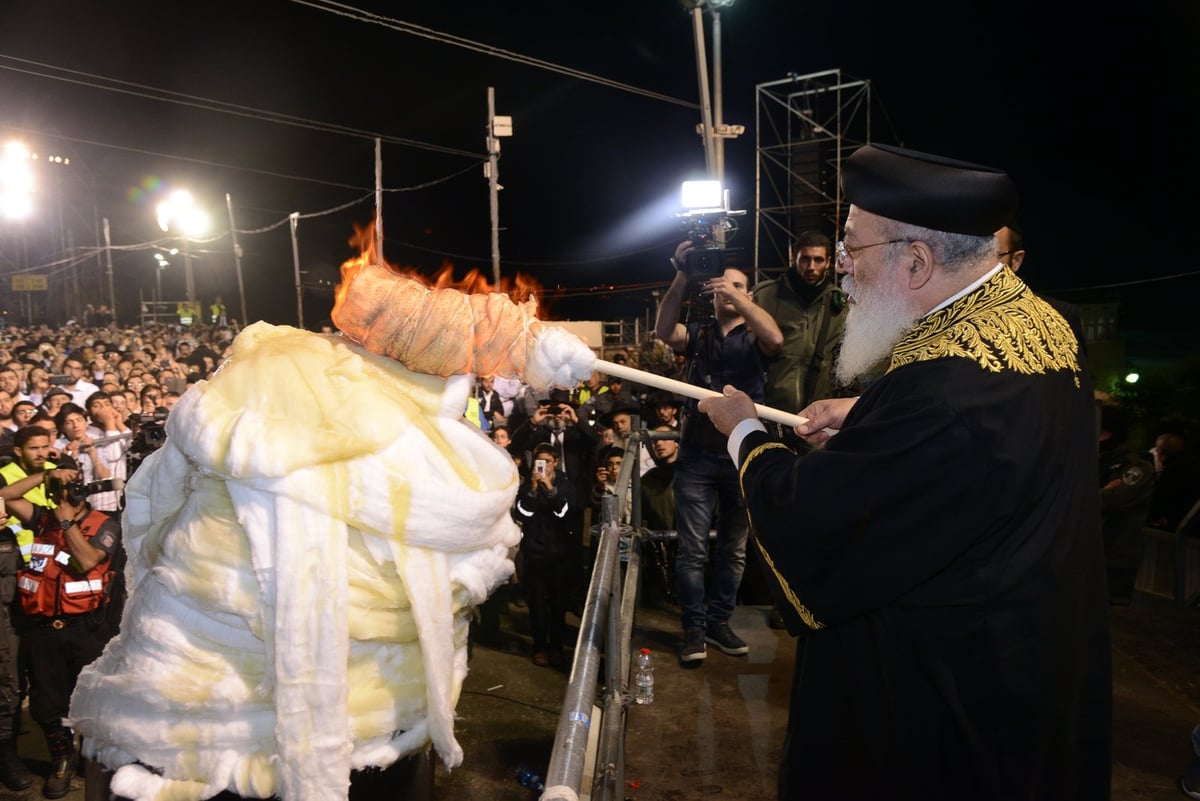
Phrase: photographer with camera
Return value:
(76, 443)
(14, 775)
(556, 422)
(64, 592)
(112, 438)
(730, 347)
(546, 510)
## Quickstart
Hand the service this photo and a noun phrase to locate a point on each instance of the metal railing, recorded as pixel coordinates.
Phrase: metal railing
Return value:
(605, 628)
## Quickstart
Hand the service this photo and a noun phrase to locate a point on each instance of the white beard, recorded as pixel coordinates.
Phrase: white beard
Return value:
(874, 325)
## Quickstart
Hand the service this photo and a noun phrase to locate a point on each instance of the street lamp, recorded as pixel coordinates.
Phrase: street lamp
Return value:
(180, 211)
(16, 182)
(160, 264)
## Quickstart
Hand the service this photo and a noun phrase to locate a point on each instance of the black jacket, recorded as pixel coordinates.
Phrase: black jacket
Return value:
(547, 519)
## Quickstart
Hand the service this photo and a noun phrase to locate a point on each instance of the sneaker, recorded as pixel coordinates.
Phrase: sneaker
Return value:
(720, 635)
(693, 649)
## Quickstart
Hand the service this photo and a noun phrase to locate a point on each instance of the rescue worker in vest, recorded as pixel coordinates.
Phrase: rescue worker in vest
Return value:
(31, 451)
(13, 772)
(63, 590)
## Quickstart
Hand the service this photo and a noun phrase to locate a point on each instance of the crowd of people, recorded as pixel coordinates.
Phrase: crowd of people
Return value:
(80, 407)
(967, 550)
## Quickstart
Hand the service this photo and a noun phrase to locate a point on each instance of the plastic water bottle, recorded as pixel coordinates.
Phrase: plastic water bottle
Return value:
(527, 778)
(643, 678)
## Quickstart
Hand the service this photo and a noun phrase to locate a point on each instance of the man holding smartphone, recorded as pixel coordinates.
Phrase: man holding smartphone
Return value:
(546, 511)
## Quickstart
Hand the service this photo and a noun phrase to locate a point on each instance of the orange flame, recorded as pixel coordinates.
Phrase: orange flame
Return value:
(519, 289)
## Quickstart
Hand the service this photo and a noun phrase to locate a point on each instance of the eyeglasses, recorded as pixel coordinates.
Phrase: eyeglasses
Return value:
(846, 252)
(1005, 253)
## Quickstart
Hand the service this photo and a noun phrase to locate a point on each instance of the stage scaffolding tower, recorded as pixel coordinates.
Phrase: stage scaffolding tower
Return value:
(805, 125)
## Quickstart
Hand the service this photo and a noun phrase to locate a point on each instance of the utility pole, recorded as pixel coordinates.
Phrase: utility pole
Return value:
(112, 297)
(497, 127)
(294, 218)
(237, 258)
(712, 128)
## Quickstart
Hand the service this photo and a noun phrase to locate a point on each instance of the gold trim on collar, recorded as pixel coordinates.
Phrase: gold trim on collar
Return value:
(1000, 326)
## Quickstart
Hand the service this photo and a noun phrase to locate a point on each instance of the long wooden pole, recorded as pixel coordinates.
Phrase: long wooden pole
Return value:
(690, 390)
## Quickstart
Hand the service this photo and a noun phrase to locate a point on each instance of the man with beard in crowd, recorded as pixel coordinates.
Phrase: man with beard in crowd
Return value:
(944, 546)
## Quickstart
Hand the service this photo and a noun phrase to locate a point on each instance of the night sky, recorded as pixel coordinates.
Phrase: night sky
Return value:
(1092, 114)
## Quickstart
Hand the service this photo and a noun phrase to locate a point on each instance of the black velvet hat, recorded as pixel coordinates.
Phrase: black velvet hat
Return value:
(663, 398)
(930, 191)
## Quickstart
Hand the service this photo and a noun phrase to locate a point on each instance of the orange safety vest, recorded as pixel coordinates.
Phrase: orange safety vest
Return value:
(45, 585)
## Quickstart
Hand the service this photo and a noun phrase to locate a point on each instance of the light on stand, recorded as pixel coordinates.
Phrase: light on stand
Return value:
(697, 195)
(180, 210)
(16, 182)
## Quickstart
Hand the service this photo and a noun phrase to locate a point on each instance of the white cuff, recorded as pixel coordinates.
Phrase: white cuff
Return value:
(739, 432)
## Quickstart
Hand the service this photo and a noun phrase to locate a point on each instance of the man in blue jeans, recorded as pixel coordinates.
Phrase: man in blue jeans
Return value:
(728, 347)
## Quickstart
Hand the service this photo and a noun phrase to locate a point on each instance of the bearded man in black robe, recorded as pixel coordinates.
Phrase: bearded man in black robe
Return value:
(942, 552)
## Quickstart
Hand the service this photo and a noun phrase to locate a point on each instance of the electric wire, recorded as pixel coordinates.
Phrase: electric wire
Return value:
(346, 10)
(218, 106)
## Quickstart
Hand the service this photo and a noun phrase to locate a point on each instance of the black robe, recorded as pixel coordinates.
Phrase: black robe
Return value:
(944, 553)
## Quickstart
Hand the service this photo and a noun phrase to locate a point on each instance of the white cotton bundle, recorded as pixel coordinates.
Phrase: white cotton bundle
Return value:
(299, 602)
(558, 359)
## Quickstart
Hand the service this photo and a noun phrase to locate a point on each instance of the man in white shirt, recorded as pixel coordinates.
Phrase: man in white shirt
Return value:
(114, 437)
(81, 389)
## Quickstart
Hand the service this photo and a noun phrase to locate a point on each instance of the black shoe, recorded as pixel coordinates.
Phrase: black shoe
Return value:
(13, 773)
(775, 620)
(58, 783)
(720, 635)
(693, 649)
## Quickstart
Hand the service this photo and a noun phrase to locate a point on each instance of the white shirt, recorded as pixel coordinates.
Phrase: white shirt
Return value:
(81, 391)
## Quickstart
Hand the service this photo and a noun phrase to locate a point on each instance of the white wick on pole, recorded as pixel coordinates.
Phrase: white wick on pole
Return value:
(690, 390)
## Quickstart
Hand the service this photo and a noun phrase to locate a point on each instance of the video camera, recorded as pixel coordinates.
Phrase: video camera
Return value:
(706, 212)
(149, 431)
(76, 491)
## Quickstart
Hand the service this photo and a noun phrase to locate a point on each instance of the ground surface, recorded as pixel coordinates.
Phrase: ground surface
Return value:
(716, 731)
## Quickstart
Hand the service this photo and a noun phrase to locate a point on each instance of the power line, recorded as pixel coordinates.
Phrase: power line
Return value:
(94, 81)
(344, 10)
(1118, 285)
(188, 159)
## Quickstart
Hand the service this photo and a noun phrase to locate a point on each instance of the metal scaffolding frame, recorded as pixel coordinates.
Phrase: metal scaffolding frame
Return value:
(805, 125)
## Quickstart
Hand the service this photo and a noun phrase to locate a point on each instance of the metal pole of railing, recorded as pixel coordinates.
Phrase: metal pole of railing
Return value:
(565, 772)
(610, 757)
(610, 763)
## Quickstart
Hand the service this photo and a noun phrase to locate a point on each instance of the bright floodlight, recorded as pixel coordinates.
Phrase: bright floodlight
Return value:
(702, 195)
(180, 210)
(16, 182)
(1132, 378)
